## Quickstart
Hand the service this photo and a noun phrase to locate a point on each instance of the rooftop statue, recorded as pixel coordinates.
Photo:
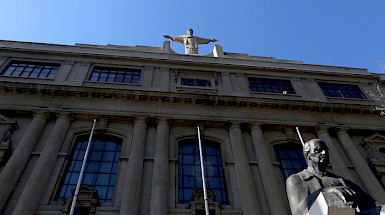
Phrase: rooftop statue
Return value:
(303, 188)
(190, 42)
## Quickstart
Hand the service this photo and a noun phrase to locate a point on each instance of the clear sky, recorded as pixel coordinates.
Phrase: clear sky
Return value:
(347, 33)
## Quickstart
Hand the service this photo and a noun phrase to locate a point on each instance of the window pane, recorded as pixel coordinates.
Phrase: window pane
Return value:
(270, 85)
(189, 170)
(101, 169)
(115, 75)
(290, 158)
(341, 90)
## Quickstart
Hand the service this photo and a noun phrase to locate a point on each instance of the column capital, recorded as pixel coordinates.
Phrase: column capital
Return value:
(65, 116)
(42, 114)
(163, 120)
(234, 124)
(342, 129)
(140, 119)
(255, 125)
(320, 129)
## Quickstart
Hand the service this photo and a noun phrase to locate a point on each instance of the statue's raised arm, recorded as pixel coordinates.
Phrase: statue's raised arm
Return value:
(178, 39)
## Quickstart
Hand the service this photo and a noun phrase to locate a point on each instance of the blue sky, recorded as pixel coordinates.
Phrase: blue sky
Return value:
(347, 33)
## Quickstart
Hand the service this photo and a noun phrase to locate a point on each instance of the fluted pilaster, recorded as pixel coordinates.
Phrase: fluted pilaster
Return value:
(160, 174)
(247, 191)
(35, 187)
(265, 165)
(16, 164)
(131, 193)
(370, 182)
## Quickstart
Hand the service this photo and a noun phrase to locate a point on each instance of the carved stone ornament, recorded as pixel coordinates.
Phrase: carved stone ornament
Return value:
(87, 201)
(7, 126)
(197, 205)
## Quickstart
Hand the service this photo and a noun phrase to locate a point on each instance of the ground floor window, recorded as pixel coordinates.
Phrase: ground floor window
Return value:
(101, 169)
(189, 172)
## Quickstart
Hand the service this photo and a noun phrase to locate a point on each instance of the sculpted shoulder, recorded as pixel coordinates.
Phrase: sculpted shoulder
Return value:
(293, 180)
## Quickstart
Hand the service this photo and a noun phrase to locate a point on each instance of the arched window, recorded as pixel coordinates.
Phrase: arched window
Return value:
(291, 159)
(189, 172)
(101, 169)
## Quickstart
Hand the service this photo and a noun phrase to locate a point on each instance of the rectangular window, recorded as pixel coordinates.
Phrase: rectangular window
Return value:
(342, 91)
(31, 70)
(195, 82)
(270, 86)
(116, 75)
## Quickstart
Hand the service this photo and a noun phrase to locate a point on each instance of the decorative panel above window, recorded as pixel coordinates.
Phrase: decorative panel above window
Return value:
(195, 82)
(270, 86)
(189, 170)
(116, 75)
(342, 91)
(31, 69)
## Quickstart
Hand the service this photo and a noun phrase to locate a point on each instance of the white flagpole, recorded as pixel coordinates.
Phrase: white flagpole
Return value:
(300, 137)
(82, 170)
(203, 173)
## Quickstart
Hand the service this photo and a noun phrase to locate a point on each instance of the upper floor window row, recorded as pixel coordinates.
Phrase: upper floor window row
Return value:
(31, 69)
(341, 90)
(270, 86)
(117, 75)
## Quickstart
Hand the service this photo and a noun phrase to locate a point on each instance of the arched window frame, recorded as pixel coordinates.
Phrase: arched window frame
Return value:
(217, 135)
(68, 148)
(219, 147)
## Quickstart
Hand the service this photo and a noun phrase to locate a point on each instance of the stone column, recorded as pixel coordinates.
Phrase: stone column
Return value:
(338, 163)
(159, 194)
(133, 179)
(16, 164)
(35, 187)
(247, 191)
(265, 164)
(370, 182)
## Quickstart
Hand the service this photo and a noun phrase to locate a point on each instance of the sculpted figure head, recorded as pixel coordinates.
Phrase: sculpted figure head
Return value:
(316, 154)
(190, 32)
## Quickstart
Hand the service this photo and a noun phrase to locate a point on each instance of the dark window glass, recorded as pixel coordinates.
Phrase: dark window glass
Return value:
(101, 167)
(291, 159)
(82, 211)
(382, 151)
(195, 82)
(270, 86)
(117, 75)
(30, 69)
(340, 90)
(189, 170)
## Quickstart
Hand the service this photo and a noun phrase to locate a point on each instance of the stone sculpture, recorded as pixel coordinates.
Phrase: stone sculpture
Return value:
(190, 42)
(303, 188)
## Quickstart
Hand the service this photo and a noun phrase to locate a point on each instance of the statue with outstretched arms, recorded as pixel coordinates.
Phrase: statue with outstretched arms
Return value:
(190, 41)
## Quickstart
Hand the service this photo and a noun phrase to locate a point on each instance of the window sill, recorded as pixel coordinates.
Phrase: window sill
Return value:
(278, 95)
(354, 100)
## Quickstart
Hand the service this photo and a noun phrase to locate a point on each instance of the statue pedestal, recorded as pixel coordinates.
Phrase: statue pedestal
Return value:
(330, 204)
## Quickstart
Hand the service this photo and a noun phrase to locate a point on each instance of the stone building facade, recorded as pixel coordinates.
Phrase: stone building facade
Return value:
(148, 102)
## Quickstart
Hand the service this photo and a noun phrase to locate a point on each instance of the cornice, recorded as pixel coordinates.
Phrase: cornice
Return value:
(186, 98)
